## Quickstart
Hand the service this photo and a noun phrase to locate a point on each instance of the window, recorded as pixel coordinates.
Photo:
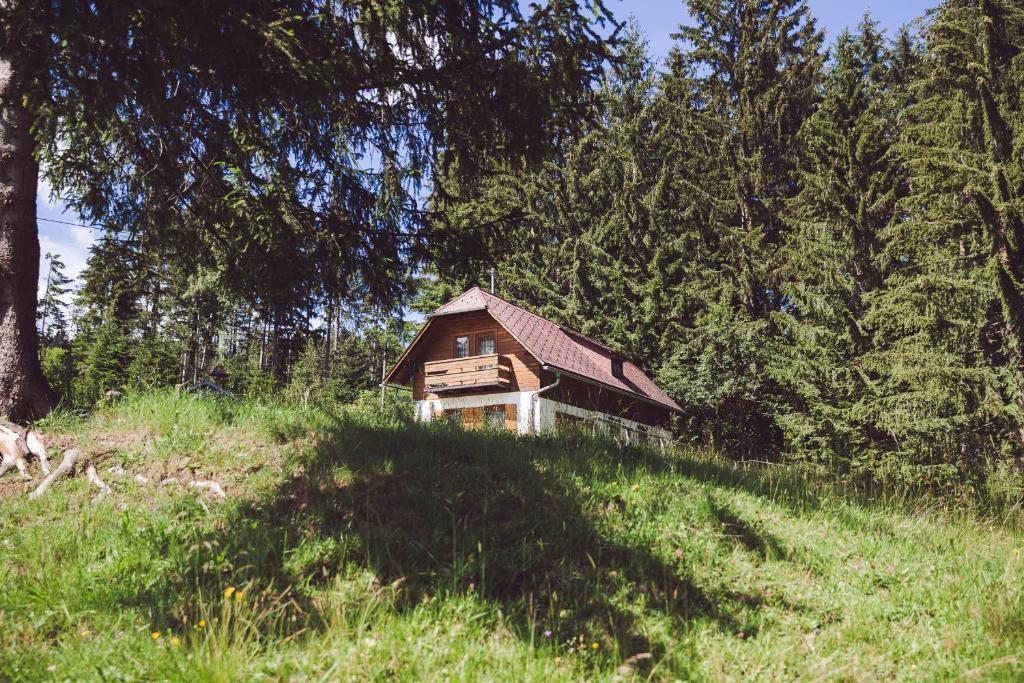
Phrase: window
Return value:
(494, 417)
(485, 344)
(617, 367)
(454, 417)
(479, 344)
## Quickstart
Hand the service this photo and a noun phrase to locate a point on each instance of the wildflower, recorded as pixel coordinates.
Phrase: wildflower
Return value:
(228, 592)
(679, 552)
(595, 646)
(636, 487)
(86, 633)
(558, 660)
(155, 635)
(201, 623)
(547, 634)
(614, 484)
(175, 641)
(239, 595)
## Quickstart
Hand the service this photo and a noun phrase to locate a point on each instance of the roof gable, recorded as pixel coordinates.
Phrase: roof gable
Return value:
(554, 345)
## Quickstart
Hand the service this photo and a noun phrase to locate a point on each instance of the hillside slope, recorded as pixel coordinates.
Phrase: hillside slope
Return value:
(351, 548)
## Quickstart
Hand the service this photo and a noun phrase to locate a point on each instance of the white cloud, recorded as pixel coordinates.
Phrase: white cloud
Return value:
(44, 195)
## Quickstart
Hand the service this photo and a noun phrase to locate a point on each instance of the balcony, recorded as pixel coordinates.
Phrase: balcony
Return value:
(474, 372)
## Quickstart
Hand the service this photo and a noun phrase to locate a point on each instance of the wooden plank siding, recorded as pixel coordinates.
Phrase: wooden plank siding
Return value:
(439, 345)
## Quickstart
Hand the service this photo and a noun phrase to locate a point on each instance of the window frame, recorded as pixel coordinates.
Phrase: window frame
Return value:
(490, 413)
(494, 342)
(474, 343)
(455, 345)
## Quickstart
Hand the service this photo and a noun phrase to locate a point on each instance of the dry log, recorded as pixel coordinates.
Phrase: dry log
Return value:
(66, 465)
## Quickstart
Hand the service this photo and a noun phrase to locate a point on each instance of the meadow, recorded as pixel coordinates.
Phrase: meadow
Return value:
(354, 546)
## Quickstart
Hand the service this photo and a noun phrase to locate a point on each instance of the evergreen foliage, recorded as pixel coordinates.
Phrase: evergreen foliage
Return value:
(948, 366)
(740, 86)
(851, 179)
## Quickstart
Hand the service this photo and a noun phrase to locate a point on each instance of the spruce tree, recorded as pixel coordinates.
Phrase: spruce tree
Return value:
(53, 310)
(740, 85)
(851, 179)
(950, 320)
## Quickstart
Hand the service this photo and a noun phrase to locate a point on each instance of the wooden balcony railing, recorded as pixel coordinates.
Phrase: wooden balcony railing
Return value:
(468, 373)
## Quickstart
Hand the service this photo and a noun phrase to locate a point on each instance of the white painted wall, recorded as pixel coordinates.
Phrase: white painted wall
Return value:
(544, 420)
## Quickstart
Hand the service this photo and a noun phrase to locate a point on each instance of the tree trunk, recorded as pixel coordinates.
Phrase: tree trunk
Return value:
(24, 393)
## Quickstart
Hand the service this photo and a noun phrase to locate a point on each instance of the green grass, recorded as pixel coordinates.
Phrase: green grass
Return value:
(363, 549)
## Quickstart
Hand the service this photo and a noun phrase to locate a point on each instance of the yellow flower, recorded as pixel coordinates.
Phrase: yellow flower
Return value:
(175, 641)
(201, 623)
(86, 633)
(636, 487)
(238, 596)
(595, 646)
(155, 635)
(229, 591)
(614, 484)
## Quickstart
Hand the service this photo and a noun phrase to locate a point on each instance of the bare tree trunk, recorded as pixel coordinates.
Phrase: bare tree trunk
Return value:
(24, 393)
(328, 329)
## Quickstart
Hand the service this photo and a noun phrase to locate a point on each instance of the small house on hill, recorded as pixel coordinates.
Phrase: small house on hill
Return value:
(482, 361)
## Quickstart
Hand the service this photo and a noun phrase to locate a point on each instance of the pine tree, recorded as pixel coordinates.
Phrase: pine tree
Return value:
(851, 179)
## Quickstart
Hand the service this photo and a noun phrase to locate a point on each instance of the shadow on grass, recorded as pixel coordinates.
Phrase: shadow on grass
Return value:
(751, 536)
(443, 512)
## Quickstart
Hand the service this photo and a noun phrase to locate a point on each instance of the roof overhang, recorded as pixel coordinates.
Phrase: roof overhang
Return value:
(604, 385)
(435, 314)
(389, 378)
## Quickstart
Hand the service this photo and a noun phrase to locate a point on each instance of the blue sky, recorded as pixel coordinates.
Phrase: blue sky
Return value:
(658, 18)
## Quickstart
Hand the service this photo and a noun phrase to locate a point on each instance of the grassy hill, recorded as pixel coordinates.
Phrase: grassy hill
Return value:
(353, 548)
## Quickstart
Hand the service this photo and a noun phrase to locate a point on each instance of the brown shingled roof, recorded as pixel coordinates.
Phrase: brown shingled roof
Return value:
(559, 346)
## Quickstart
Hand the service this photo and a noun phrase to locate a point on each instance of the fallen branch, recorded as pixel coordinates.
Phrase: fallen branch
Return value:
(93, 477)
(70, 457)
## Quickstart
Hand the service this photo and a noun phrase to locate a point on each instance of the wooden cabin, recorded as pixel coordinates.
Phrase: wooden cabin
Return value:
(481, 361)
